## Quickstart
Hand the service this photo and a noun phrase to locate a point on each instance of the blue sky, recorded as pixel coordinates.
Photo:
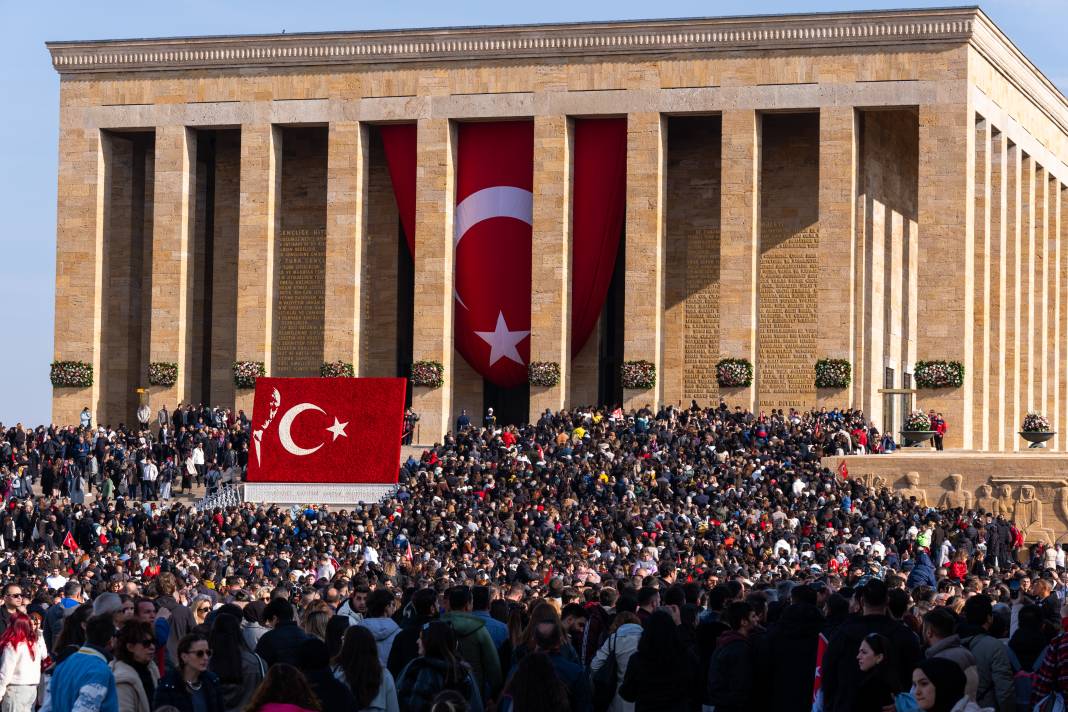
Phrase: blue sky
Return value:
(30, 90)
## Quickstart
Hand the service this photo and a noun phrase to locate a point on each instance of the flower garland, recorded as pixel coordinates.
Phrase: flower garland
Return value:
(428, 374)
(246, 373)
(833, 373)
(162, 373)
(543, 373)
(918, 421)
(337, 369)
(1035, 422)
(939, 374)
(638, 374)
(734, 373)
(71, 374)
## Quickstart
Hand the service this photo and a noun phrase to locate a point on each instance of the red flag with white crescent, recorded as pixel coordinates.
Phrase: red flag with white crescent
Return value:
(326, 430)
(843, 471)
(68, 541)
(492, 236)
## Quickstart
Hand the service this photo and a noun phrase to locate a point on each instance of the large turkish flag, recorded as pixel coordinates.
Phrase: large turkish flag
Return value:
(494, 212)
(326, 430)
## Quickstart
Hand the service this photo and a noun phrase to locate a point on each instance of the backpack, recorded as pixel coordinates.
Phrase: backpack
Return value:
(605, 678)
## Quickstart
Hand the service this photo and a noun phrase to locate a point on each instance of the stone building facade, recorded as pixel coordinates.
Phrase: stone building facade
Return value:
(880, 187)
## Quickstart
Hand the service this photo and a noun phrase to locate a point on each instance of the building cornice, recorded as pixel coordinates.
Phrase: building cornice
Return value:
(472, 44)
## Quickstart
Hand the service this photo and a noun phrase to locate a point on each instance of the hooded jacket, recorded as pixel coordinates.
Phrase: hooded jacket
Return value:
(996, 688)
(730, 673)
(790, 658)
(951, 649)
(385, 631)
(923, 573)
(477, 648)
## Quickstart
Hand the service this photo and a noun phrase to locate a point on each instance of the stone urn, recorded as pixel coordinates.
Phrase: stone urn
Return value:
(916, 438)
(1037, 438)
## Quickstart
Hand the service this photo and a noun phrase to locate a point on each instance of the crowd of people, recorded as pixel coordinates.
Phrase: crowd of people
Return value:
(672, 559)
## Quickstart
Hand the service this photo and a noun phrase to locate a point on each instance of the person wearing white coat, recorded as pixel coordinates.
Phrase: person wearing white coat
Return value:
(20, 664)
(624, 641)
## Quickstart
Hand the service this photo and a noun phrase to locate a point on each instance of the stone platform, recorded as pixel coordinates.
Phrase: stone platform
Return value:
(1030, 488)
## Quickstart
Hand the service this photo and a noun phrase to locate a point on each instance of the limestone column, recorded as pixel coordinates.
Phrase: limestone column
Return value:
(644, 259)
(550, 273)
(174, 193)
(80, 218)
(346, 192)
(1012, 415)
(261, 154)
(981, 403)
(947, 254)
(1060, 406)
(998, 290)
(1042, 257)
(432, 332)
(1027, 355)
(837, 226)
(739, 245)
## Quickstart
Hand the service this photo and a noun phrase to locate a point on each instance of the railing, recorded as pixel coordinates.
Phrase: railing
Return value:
(230, 495)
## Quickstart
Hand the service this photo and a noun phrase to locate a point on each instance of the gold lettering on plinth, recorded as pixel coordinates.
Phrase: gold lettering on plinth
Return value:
(300, 302)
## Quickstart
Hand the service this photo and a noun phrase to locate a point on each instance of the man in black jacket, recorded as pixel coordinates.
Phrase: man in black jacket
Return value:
(730, 672)
(406, 645)
(789, 655)
(841, 674)
(279, 645)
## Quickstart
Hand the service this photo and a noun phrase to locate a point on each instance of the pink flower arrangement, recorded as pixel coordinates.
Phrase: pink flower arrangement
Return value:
(428, 374)
(246, 373)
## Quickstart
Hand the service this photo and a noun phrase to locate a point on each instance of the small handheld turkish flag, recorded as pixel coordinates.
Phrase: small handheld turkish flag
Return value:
(326, 430)
(843, 471)
(68, 541)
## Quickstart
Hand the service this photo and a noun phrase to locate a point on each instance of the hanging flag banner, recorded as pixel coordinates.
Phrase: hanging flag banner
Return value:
(399, 142)
(492, 238)
(335, 430)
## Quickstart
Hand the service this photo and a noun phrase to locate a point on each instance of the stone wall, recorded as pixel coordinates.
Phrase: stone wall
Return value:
(789, 261)
(1031, 489)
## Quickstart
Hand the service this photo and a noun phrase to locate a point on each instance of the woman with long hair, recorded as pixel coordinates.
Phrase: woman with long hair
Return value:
(437, 668)
(284, 689)
(201, 607)
(238, 668)
(358, 666)
(135, 675)
(877, 661)
(335, 634)
(938, 686)
(22, 648)
(544, 612)
(661, 674)
(72, 635)
(191, 687)
(622, 642)
(534, 686)
(314, 622)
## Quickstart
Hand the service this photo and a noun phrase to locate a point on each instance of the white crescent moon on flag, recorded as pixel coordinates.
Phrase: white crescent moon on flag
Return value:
(500, 201)
(287, 422)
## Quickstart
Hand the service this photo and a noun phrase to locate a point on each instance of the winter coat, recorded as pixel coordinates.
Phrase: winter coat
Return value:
(966, 705)
(951, 649)
(790, 657)
(405, 646)
(842, 675)
(625, 642)
(923, 573)
(730, 673)
(385, 631)
(477, 648)
(332, 694)
(995, 671)
(279, 645)
(237, 694)
(422, 680)
(132, 694)
(655, 687)
(173, 691)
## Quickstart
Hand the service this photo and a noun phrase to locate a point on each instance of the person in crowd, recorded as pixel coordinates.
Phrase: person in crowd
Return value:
(880, 680)
(83, 679)
(938, 686)
(358, 666)
(731, 668)
(136, 675)
(315, 665)
(476, 645)
(191, 687)
(790, 650)
(238, 669)
(405, 646)
(279, 644)
(995, 686)
(535, 686)
(437, 668)
(942, 642)
(548, 641)
(380, 606)
(22, 653)
(284, 689)
(621, 643)
(662, 674)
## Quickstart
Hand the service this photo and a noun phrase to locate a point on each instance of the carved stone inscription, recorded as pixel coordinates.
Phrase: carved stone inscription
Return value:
(702, 314)
(789, 274)
(297, 349)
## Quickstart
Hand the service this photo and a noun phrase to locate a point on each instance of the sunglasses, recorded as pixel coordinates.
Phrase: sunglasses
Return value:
(202, 609)
(148, 642)
(200, 653)
(15, 595)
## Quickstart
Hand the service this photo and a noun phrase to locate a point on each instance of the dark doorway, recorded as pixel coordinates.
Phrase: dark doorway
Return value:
(610, 387)
(510, 405)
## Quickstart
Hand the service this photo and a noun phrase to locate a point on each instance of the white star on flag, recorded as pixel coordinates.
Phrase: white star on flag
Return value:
(502, 341)
(338, 429)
